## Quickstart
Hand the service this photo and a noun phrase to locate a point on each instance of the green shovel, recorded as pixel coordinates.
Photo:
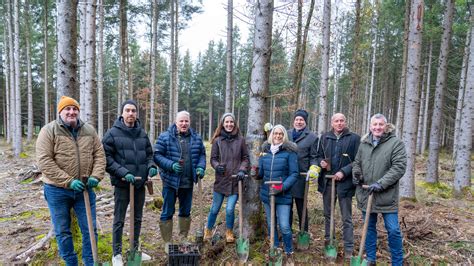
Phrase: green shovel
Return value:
(330, 250)
(357, 260)
(303, 238)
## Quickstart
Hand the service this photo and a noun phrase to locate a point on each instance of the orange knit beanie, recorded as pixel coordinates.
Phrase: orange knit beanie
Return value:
(67, 101)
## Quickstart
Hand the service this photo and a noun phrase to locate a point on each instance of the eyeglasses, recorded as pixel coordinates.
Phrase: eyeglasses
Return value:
(278, 133)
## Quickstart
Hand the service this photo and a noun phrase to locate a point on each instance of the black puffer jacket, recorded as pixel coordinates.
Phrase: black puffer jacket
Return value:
(128, 150)
(307, 144)
(336, 149)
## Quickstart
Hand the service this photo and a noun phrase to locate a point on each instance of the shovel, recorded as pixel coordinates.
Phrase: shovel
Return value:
(302, 239)
(330, 250)
(90, 226)
(275, 255)
(357, 260)
(242, 244)
(200, 232)
(134, 256)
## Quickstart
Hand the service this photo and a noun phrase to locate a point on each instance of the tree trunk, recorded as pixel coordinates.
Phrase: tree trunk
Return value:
(355, 63)
(427, 101)
(175, 60)
(401, 101)
(230, 70)
(462, 174)
(29, 134)
(209, 109)
(7, 116)
(100, 72)
(17, 143)
(461, 93)
(154, 26)
(67, 47)
(90, 78)
(46, 65)
(11, 62)
(372, 74)
(407, 183)
(296, 74)
(82, 9)
(259, 82)
(421, 113)
(172, 73)
(323, 88)
(123, 54)
(436, 117)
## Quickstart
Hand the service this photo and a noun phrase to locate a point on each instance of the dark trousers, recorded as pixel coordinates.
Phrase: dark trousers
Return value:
(299, 209)
(185, 197)
(122, 199)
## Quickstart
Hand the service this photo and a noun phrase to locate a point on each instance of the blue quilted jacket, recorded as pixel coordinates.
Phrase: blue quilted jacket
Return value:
(168, 151)
(283, 165)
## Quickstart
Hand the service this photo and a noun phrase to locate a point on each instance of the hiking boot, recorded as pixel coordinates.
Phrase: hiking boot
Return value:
(117, 260)
(184, 223)
(207, 234)
(229, 236)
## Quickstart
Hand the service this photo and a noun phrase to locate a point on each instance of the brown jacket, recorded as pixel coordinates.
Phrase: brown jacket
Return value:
(61, 158)
(234, 154)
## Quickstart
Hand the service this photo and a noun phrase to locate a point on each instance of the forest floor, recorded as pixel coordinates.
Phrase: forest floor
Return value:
(437, 228)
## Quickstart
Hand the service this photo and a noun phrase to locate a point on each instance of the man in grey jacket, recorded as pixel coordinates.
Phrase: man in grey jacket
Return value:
(380, 163)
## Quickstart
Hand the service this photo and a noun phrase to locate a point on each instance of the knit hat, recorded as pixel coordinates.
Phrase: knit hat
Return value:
(301, 113)
(226, 115)
(67, 101)
(129, 101)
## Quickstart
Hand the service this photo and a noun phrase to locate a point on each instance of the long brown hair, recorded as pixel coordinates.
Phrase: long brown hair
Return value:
(219, 128)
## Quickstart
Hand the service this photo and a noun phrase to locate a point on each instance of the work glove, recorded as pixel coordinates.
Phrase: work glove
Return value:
(276, 189)
(177, 168)
(152, 172)
(130, 178)
(220, 169)
(314, 171)
(92, 182)
(200, 172)
(375, 187)
(240, 175)
(77, 185)
(357, 179)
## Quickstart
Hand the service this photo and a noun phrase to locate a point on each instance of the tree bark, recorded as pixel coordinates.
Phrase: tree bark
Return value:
(17, 143)
(82, 9)
(100, 72)
(172, 63)
(45, 64)
(29, 134)
(462, 174)
(90, 78)
(230, 67)
(7, 87)
(421, 113)
(407, 183)
(355, 72)
(259, 82)
(427, 100)
(67, 82)
(123, 54)
(12, 71)
(154, 26)
(323, 88)
(436, 117)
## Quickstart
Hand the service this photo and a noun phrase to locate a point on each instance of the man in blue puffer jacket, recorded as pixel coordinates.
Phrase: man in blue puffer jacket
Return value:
(181, 157)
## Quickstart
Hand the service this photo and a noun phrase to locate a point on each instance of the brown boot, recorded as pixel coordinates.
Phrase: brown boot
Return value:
(207, 234)
(229, 236)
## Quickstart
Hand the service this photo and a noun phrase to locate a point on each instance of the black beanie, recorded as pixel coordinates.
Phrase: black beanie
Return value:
(301, 113)
(132, 102)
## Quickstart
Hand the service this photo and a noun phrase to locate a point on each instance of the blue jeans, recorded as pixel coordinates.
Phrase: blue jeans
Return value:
(283, 220)
(394, 237)
(217, 200)
(185, 197)
(60, 201)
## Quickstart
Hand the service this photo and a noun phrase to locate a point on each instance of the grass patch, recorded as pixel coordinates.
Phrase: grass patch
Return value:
(439, 189)
(39, 213)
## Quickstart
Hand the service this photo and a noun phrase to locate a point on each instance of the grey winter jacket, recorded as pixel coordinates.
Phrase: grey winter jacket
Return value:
(384, 163)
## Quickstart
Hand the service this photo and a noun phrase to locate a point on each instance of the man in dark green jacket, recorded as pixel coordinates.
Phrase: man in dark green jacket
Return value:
(380, 163)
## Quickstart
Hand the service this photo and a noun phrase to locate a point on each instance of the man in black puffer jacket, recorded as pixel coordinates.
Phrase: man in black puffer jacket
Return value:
(129, 154)
(336, 152)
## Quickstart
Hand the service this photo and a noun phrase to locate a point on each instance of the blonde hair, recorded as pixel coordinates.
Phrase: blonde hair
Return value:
(285, 134)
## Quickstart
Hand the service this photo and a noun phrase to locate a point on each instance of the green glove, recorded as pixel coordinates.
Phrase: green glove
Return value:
(77, 185)
(152, 172)
(130, 178)
(200, 172)
(92, 182)
(177, 168)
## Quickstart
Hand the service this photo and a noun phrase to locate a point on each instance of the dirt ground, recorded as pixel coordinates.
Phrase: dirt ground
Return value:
(437, 229)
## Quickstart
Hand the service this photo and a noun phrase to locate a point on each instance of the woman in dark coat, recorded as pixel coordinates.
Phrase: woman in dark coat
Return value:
(230, 159)
(279, 162)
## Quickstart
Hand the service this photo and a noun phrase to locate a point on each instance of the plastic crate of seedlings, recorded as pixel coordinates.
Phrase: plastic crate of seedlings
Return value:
(184, 254)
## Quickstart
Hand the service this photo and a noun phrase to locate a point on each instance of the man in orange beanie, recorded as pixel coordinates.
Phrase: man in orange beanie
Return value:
(71, 159)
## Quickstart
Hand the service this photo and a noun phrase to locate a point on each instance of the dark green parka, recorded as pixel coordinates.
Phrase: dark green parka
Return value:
(384, 163)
